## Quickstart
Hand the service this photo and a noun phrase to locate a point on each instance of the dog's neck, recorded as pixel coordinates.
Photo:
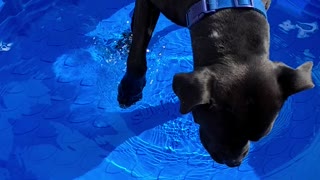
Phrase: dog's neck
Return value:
(204, 7)
(233, 34)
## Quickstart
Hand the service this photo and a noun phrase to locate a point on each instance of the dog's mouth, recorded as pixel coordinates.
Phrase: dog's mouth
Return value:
(229, 162)
(229, 159)
(223, 154)
(233, 163)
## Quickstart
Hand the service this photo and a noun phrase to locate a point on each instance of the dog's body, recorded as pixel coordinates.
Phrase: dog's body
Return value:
(235, 92)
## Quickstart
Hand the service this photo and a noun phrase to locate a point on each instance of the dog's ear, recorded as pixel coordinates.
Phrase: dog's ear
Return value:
(192, 89)
(294, 80)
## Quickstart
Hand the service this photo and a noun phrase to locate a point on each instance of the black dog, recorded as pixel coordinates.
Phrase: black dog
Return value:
(235, 92)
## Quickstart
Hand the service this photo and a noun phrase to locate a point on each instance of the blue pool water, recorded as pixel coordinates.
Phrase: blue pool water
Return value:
(61, 62)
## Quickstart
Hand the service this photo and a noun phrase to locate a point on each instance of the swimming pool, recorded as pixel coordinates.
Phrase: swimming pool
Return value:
(61, 62)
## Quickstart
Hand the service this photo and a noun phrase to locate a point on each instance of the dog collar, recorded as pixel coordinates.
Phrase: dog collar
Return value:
(198, 10)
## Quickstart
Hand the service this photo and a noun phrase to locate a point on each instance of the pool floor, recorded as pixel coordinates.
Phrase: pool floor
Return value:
(61, 62)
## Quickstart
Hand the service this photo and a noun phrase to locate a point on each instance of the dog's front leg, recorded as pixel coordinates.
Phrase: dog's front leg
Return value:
(144, 20)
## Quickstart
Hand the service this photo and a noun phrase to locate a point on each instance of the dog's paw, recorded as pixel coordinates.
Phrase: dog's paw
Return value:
(130, 90)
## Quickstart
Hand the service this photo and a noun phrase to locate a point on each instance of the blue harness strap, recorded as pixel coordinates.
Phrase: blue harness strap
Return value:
(198, 10)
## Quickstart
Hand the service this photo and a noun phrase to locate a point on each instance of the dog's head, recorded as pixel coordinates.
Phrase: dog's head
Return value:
(235, 104)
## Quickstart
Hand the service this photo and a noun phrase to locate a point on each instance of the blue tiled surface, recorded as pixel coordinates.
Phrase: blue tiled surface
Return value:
(59, 118)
